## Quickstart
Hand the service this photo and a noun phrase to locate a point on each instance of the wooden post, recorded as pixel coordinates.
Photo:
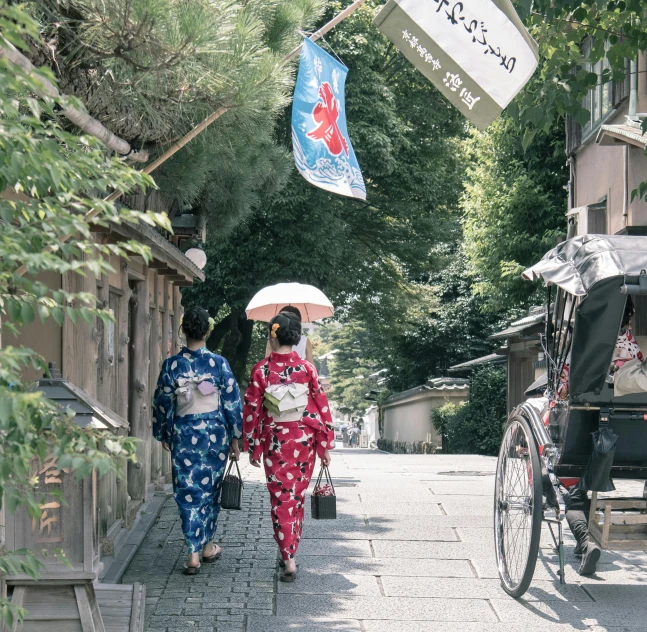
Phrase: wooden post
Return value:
(122, 344)
(166, 339)
(122, 377)
(155, 338)
(103, 363)
(139, 413)
(178, 311)
(88, 353)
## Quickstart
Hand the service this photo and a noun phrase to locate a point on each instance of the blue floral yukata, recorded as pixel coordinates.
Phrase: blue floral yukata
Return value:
(197, 411)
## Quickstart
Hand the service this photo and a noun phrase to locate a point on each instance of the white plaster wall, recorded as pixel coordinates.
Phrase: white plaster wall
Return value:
(410, 420)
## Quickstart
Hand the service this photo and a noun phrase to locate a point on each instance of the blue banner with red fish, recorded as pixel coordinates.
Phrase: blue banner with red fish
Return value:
(322, 150)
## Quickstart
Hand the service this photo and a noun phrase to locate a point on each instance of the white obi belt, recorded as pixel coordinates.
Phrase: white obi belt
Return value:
(196, 395)
(286, 402)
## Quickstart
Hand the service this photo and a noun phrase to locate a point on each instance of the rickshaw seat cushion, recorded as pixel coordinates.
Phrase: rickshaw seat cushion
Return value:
(631, 378)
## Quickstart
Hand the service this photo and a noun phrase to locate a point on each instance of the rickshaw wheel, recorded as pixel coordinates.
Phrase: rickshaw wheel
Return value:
(517, 507)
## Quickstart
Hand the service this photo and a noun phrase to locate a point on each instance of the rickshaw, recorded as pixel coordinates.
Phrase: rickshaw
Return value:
(547, 439)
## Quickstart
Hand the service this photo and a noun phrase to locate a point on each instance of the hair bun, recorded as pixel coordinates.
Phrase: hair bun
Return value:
(195, 323)
(289, 328)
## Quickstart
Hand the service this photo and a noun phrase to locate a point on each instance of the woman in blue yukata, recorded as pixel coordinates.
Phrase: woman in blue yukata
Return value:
(198, 417)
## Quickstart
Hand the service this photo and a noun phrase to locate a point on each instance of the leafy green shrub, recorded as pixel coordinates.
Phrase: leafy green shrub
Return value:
(475, 427)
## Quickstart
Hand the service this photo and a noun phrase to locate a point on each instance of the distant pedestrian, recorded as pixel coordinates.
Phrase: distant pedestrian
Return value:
(353, 437)
(287, 441)
(303, 347)
(198, 418)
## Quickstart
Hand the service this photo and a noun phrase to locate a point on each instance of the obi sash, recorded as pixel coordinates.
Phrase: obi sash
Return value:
(286, 402)
(196, 395)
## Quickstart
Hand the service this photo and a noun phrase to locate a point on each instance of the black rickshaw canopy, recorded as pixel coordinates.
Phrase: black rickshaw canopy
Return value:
(597, 269)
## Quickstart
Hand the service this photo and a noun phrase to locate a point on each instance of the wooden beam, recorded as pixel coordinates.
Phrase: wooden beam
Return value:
(137, 276)
(80, 118)
(183, 283)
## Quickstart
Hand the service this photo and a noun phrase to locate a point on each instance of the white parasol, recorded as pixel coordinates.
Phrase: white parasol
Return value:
(310, 301)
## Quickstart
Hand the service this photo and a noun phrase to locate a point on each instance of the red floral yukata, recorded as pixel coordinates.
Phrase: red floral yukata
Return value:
(288, 449)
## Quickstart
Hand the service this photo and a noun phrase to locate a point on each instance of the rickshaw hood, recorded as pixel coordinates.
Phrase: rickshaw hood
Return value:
(579, 263)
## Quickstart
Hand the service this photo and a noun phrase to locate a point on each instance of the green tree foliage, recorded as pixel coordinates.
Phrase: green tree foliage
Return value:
(363, 256)
(350, 366)
(475, 427)
(451, 326)
(560, 27)
(58, 178)
(153, 69)
(514, 208)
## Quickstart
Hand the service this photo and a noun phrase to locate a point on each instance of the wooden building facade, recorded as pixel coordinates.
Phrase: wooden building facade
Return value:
(118, 364)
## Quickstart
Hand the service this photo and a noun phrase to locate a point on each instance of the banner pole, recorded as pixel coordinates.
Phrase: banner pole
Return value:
(340, 17)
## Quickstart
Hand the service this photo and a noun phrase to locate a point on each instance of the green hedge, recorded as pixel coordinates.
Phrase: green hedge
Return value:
(475, 427)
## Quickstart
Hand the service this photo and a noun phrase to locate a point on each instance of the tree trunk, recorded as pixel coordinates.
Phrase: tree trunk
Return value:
(219, 332)
(232, 340)
(239, 361)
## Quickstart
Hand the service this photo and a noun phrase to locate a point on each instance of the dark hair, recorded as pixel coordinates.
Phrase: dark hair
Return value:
(290, 309)
(288, 331)
(195, 323)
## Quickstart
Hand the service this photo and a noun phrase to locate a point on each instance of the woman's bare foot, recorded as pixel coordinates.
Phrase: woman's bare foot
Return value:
(290, 567)
(211, 552)
(193, 561)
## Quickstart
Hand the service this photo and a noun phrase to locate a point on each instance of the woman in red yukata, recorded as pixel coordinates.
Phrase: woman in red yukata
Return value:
(287, 423)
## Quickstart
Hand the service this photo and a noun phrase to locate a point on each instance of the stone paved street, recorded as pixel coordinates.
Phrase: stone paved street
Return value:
(412, 545)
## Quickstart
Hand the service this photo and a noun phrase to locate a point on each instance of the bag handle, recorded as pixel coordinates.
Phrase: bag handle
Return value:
(324, 470)
(231, 465)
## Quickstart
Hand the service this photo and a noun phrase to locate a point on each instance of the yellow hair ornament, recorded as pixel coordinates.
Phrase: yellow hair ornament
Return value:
(275, 326)
(212, 324)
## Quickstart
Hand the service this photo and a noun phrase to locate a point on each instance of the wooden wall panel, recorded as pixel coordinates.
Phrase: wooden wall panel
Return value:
(139, 413)
(166, 343)
(154, 368)
(521, 374)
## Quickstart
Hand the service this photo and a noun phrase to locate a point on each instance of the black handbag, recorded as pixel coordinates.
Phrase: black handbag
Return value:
(323, 507)
(231, 496)
(597, 476)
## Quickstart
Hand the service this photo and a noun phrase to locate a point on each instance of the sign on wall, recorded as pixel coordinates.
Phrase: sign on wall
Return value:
(476, 52)
(323, 153)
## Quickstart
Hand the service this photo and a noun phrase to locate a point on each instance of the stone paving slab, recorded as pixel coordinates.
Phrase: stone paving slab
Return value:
(380, 567)
(473, 588)
(423, 626)
(343, 548)
(578, 615)
(436, 550)
(353, 531)
(313, 583)
(301, 624)
(420, 495)
(390, 509)
(400, 608)
(475, 487)
(546, 570)
(427, 522)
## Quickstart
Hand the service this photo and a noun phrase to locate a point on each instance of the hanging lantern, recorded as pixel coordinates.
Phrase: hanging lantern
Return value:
(197, 256)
